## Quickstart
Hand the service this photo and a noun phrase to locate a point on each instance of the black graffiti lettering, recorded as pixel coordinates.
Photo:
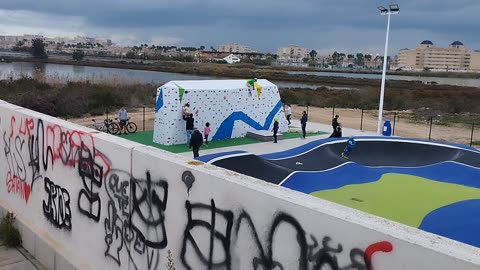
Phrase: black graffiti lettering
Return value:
(265, 257)
(113, 233)
(57, 209)
(40, 153)
(91, 173)
(326, 256)
(14, 158)
(357, 257)
(224, 237)
(148, 208)
(136, 218)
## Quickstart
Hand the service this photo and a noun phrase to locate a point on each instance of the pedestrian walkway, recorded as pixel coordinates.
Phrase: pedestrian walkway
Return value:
(282, 145)
(18, 259)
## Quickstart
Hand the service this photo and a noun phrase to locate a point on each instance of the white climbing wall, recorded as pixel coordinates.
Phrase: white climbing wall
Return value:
(230, 106)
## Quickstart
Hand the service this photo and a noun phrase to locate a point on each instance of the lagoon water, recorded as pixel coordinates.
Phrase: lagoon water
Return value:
(63, 73)
(439, 80)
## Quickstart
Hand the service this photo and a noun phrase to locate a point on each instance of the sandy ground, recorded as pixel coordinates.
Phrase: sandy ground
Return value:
(350, 118)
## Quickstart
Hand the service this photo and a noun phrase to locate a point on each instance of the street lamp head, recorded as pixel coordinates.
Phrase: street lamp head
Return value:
(394, 8)
(382, 9)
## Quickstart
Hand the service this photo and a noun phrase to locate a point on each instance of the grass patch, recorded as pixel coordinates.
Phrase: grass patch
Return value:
(146, 138)
(298, 134)
(9, 235)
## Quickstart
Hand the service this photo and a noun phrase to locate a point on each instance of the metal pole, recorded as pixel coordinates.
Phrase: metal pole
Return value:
(394, 120)
(361, 121)
(108, 123)
(307, 109)
(471, 135)
(430, 133)
(333, 111)
(382, 90)
(143, 118)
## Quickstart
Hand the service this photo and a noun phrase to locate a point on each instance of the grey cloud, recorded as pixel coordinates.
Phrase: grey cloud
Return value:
(268, 24)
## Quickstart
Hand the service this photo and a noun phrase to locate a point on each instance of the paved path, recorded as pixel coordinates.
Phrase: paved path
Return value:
(18, 259)
(270, 147)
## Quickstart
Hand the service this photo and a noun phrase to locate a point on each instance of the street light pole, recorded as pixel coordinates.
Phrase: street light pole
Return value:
(393, 9)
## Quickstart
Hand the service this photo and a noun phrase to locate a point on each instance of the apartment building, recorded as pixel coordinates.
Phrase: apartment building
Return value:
(293, 53)
(235, 48)
(456, 57)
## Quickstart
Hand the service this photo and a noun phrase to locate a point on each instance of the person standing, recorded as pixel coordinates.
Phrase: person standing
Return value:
(123, 117)
(189, 121)
(303, 121)
(275, 129)
(288, 112)
(335, 123)
(206, 131)
(195, 142)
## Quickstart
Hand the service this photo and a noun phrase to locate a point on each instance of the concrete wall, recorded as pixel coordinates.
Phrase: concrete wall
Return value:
(87, 200)
(228, 105)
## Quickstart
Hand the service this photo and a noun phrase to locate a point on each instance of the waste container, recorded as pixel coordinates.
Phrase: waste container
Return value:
(387, 128)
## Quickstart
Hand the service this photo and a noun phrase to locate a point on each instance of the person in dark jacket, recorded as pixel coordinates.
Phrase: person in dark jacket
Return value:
(335, 123)
(303, 121)
(275, 129)
(195, 142)
(189, 126)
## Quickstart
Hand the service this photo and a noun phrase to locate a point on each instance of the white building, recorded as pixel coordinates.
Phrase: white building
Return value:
(293, 53)
(429, 56)
(235, 48)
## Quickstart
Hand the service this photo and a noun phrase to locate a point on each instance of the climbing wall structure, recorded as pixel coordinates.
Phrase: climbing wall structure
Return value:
(232, 107)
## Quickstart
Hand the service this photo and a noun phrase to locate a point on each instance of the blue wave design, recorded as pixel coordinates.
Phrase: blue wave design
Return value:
(159, 104)
(459, 221)
(226, 127)
(353, 173)
(207, 158)
(309, 146)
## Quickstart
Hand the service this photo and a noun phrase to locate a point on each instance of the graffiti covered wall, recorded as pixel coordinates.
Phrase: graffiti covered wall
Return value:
(232, 108)
(105, 203)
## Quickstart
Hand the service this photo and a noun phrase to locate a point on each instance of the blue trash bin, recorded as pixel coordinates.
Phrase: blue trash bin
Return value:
(387, 128)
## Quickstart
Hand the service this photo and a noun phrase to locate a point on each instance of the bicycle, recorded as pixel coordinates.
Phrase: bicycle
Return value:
(131, 127)
(107, 126)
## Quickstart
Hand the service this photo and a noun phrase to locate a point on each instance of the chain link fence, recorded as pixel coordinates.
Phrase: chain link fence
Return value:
(448, 128)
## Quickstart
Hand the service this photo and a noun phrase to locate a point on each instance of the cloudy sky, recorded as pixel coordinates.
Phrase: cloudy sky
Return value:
(324, 25)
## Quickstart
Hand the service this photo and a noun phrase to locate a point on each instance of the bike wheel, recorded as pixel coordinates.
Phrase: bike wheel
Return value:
(113, 128)
(92, 127)
(131, 127)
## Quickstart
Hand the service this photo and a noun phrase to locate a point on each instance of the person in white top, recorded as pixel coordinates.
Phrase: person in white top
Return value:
(123, 117)
(288, 112)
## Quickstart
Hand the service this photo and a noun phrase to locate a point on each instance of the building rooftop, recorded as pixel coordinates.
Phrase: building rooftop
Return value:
(457, 43)
(426, 42)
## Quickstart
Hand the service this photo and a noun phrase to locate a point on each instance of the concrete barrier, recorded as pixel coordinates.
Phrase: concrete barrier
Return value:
(88, 200)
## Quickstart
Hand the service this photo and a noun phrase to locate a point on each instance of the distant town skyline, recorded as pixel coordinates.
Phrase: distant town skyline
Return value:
(323, 25)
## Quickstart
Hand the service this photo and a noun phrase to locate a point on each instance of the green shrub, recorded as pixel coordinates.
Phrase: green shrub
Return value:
(9, 235)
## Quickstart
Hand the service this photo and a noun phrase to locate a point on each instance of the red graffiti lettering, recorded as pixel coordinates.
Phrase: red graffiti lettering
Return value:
(27, 126)
(383, 246)
(16, 186)
(12, 124)
(67, 146)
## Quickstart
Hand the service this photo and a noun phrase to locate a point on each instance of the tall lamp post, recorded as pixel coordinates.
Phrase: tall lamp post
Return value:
(392, 10)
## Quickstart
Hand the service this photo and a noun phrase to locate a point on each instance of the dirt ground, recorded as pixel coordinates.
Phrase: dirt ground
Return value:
(350, 118)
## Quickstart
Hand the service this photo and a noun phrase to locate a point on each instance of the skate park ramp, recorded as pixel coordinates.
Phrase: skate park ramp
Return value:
(432, 186)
